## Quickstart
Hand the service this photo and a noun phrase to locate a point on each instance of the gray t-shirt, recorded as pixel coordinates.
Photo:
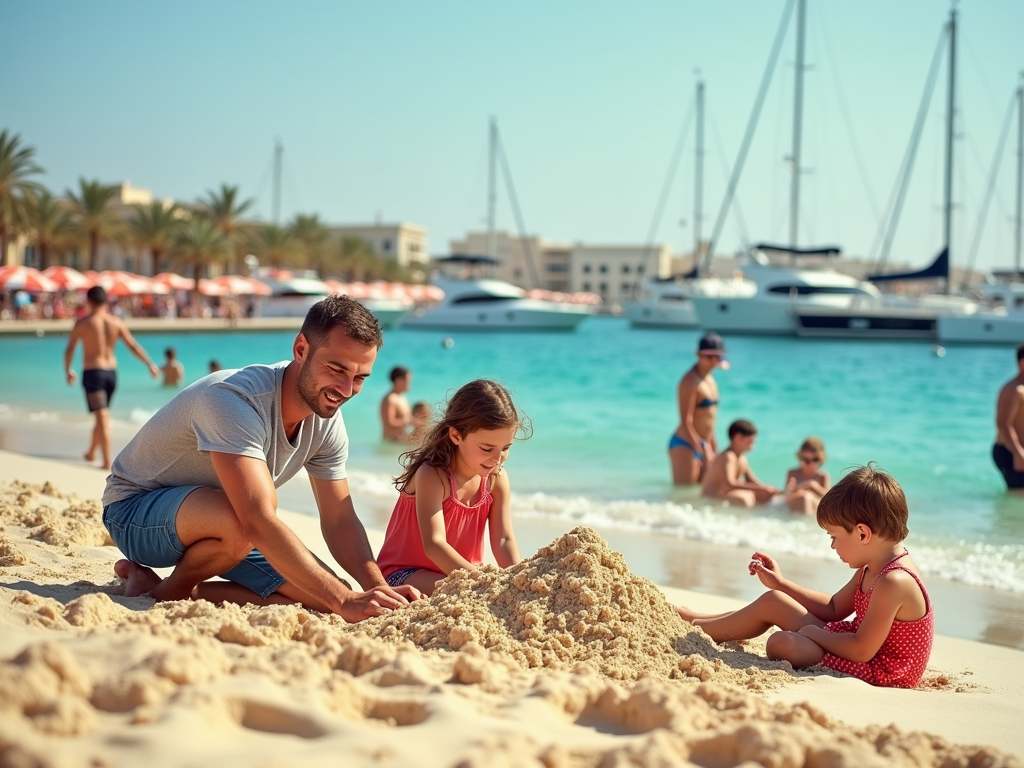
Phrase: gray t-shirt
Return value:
(236, 412)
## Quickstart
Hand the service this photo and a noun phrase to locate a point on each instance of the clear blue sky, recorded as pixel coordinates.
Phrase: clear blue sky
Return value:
(383, 108)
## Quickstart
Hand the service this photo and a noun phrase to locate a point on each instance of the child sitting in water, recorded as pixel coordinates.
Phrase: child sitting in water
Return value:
(807, 483)
(420, 421)
(454, 487)
(889, 640)
(730, 478)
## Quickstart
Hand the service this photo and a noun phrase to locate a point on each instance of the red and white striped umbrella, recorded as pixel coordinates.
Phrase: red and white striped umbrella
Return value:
(336, 287)
(236, 285)
(26, 279)
(68, 278)
(175, 281)
(210, 288)
(117, 283)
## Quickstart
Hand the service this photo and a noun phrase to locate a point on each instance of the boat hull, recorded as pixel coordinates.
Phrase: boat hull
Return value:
(745, 315)
(509, 318)
(982, 328)
(679, 314)
(867, 325)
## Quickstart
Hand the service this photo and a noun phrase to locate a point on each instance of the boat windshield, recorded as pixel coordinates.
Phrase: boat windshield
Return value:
(807, 290)
(480, 298)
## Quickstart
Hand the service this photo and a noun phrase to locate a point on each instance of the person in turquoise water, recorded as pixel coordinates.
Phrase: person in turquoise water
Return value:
(453, 488)
(808, 482)
(692, 447)
(889, 640)
(730, 477)
(1008, 451)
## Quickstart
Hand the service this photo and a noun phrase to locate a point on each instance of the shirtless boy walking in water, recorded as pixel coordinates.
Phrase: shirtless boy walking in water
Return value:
(99, 331)
(395, 412)
(1008, 451)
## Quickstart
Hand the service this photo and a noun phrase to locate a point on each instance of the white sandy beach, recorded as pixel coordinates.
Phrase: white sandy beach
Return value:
(565, 660)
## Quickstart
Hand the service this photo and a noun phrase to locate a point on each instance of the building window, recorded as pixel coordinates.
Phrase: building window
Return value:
(625, 269)
(586, 286)
(586, 269)
(555, 266)
(604, 269)
(517, 273)
(626, 288)
(386, 246)
(603, 288)
(640, 269)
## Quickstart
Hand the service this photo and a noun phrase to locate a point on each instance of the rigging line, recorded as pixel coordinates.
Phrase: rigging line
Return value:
(748, 137)
(847, 120)
(511, 189)
(741, 223)
(907, 168)
(992, 176)
(666, 190)
(263, 180)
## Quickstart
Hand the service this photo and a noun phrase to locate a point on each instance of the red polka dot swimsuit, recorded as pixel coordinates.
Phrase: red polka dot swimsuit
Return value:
(902, 659)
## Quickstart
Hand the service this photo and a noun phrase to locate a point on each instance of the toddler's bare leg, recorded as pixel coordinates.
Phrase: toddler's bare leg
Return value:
(772, 609)
(793, 647)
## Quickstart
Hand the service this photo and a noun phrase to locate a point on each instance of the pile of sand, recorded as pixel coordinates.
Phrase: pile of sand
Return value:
(574, 602)
(565, 661)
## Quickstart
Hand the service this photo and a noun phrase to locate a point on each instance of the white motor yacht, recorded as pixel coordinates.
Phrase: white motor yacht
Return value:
(1001, 321)
(294, 295)
(489, 304)
(662, 304)
(763, 297)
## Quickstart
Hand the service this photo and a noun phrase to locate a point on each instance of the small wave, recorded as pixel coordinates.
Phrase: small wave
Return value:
(772, 529)
(139, 416)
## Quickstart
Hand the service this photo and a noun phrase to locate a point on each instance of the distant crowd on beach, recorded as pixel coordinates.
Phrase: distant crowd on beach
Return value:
(726, 475)
(65, 305)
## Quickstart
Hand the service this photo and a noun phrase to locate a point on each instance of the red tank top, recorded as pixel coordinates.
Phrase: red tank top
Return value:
(464, 526)
(903, 657)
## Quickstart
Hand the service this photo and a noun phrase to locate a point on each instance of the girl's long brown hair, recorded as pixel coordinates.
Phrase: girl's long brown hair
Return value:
(480, 404)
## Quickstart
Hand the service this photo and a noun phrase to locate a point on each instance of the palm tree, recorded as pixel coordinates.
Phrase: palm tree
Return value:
(49, 224)
(355, 258)
(154, 227)
(225, 209)
(94, 216)
(16, 165)
(312, 236)
(275, 246)
(198, 243)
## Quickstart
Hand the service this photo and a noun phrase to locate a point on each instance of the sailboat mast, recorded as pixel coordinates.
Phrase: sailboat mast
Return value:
(278, 151)
(947, 218)
(1020, 178)
(492, 191)
(798, 108)
(698, 174)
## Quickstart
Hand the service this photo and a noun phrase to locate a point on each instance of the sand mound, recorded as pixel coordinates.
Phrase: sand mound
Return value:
(565, 661)
(573, 602)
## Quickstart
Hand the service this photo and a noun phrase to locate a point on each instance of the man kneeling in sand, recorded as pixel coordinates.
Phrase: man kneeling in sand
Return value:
(730, 477)
(196, 488)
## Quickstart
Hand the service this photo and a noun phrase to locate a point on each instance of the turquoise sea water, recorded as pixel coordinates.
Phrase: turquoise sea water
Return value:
(602, 404)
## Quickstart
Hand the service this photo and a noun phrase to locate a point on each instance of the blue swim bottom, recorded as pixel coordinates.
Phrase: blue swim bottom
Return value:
(142, 526)
(675, 441)
(397, 578)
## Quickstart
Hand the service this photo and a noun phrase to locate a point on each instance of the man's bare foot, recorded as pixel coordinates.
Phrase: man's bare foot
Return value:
(140, 579)
(90, 456)
(106, 467)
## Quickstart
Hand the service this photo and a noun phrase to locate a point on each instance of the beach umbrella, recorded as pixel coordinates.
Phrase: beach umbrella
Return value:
(236, 285)
(118, 283)
(210, 288)
(26, 279)
(68, 278)
(175, 282)
(336, 287)
(358, 290)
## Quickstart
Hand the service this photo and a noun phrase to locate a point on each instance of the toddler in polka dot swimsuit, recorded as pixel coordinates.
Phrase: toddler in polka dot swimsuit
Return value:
(889, 638)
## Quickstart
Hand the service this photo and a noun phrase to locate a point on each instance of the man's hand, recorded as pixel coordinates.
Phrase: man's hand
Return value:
(72, 377)
(376, 602)
(153, 370)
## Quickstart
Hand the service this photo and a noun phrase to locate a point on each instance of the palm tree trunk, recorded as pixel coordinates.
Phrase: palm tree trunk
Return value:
(197, 297)
(94, 249)
(157, 254)
(44, 255)
(3, 245)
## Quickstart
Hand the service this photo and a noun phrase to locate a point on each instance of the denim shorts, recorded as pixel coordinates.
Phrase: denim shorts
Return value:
(142, 526)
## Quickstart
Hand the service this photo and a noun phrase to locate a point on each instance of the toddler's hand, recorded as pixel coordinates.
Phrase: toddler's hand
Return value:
(766, 569)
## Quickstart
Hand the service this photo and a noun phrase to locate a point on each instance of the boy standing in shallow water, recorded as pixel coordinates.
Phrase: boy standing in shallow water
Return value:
(889, 640)
(730, 478)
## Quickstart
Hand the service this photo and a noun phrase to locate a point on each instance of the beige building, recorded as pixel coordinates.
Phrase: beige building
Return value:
(401, 242)
(521, 262)
(614, 271)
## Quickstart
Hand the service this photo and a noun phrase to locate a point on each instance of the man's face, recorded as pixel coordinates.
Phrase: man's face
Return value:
(744, 443)
(333, 373)
(402, 383)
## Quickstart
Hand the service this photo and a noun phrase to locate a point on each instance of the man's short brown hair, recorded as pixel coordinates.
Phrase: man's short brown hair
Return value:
(326, 315)
(870, 497)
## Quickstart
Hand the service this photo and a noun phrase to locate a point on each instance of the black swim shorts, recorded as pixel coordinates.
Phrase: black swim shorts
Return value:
(99, 384)
(1003, 458)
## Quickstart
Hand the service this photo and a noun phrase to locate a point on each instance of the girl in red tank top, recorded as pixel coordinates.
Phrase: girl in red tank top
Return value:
(889, 640)
(453, 489)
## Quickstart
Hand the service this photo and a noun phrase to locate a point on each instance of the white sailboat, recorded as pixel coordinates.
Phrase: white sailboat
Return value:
(474, 300)
(665, 302)
(1004, 322)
